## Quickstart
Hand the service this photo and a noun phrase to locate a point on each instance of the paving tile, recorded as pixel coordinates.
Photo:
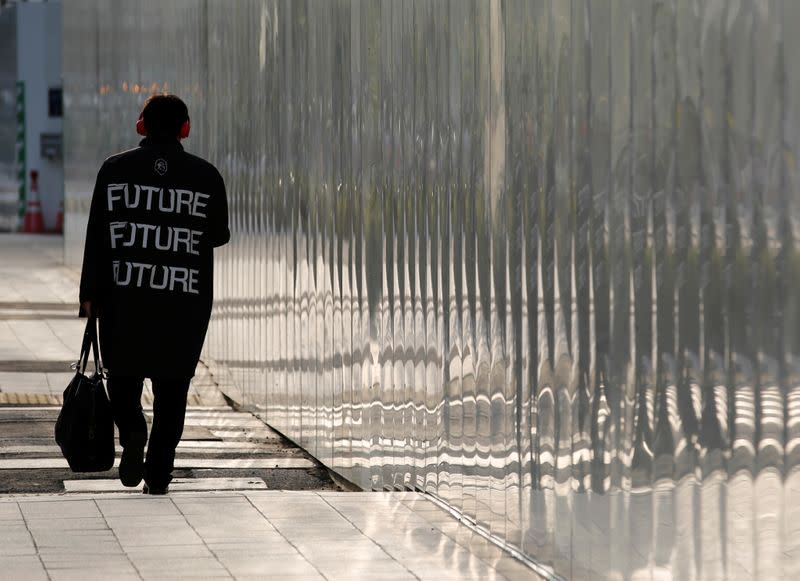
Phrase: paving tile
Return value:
(16, 544)
(200, 510)
(239, 551)
(25, 382)
(137, 505)
(319, 532)
(145, 521)
(227, 524)
(59, 509)
(288, 495)
(156, 538)
(229, 512)
(248, 516)
(12, 550)
(273, 567)
(373, 576)
(284, 497)
(173, 551)
(478, 574)
(67, 524)
(451, 553)
(229, 534)
(13, 529)
(78, 575)
(306, 517)
(191, 506)
(357, 557)
(369, 496)
(19, 561)
(22, 567)
(303, 513)
(285, 494)
(40, 340)
(86, 561)
(187, 565)
(285, 577)
(104, 550)
(159, 575)
(243, 515)
(271, 570)
(76, 534)
(103, 543)
(216, 497)
(362, 569)
(241, 522)
(377, 517)
(264, 541)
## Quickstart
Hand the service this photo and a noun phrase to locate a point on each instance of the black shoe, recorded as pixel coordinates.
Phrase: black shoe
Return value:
(148, 489)
(131, 465)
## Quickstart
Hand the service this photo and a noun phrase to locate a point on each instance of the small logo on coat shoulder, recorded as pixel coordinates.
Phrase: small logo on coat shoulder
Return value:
(161, 166)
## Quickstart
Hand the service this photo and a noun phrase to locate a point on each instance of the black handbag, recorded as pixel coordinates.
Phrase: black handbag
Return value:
(85, 426)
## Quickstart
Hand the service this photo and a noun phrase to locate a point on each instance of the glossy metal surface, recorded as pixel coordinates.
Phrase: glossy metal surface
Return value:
(537, 258)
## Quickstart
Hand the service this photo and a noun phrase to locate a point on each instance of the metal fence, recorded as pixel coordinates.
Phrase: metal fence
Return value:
(538, 258)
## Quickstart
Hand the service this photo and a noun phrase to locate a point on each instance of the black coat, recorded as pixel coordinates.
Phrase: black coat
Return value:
(157, 213)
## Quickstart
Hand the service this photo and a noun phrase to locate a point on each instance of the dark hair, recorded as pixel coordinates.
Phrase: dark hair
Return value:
(164, 114)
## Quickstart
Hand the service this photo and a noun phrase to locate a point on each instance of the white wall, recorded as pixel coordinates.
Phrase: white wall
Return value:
(39, 66)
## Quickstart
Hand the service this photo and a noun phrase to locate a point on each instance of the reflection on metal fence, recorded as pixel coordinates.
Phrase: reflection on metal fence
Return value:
(537, 258)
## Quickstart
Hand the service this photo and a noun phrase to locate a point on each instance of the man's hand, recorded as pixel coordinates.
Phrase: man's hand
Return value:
(86, 307)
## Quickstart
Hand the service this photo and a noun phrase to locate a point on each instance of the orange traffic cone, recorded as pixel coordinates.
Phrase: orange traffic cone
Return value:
(60, 218)
(33, 211)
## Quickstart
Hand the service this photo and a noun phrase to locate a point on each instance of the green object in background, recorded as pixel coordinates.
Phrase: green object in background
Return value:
(21, 157)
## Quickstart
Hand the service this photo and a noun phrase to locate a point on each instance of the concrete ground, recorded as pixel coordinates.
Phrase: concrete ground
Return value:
(246, 503)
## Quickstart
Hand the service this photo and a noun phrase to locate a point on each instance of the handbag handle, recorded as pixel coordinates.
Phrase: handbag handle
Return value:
(90, 343)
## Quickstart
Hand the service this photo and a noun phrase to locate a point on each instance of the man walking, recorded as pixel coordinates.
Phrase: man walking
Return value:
(156, 215)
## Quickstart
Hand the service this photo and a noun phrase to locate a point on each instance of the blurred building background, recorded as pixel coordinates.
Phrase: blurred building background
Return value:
(30, 110)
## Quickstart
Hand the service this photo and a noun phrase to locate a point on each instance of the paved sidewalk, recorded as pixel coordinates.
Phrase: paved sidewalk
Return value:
(248, 535)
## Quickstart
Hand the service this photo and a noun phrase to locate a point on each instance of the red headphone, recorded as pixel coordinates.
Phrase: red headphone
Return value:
(184, 133)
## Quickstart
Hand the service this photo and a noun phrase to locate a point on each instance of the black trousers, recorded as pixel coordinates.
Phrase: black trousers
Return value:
(169, 411)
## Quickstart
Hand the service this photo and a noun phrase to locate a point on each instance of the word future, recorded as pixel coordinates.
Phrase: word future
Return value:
(169, 239)
(127, 234)
(166, 201)
(156, 276)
